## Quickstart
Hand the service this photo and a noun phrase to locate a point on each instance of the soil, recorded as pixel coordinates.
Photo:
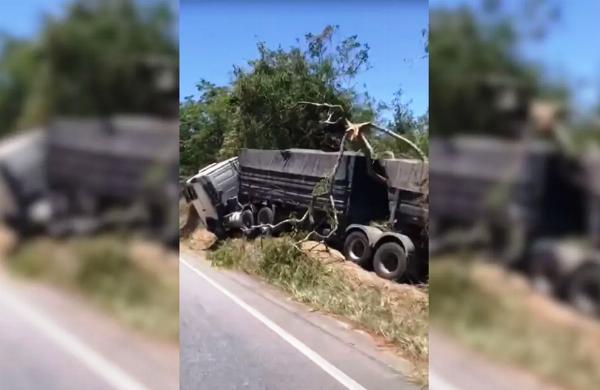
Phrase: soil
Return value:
(362, 277)
(8, 241)
(500, 281)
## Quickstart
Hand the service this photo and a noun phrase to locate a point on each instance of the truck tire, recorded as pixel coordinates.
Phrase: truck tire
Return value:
(544, 267)
(357, 249)
(508, 237)
(390, 261)
(265, 216)
(583, 291)
(247, 218)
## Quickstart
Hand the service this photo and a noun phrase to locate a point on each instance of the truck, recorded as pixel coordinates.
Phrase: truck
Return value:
(81, 175)
(568, 266)
(381, 205)
(22, 183)
(533, 206)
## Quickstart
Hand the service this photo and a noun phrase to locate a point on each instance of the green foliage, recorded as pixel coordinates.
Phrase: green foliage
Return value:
(19, 60)
(479, 82)
(470, 63)
(203, 125)
(101, 57)
(229, 254)
(294, 269)
(405, 123)
(258, 109)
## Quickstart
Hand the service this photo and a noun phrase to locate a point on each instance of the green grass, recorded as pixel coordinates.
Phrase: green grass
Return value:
(102, 270)
(401, 322)
(498, 322)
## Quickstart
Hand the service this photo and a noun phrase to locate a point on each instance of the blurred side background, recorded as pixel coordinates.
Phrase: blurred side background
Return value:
(514, 185)
(88, 194)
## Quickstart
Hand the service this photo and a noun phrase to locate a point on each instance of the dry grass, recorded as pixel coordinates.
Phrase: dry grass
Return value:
(399, 315)
(496, 312)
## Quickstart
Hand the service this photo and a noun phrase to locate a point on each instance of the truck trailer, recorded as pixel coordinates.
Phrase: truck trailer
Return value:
(512, 191)
(381, 217)
(534, 207)
(81, 175)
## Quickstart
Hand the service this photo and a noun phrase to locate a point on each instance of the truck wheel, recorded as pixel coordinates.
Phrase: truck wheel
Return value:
(583, 291)
(247, 218)
(265, 216)
(357, 249)
(390, 261)
(544, 268)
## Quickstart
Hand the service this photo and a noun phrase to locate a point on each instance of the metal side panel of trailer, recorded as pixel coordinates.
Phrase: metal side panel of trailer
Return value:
(592, 179)
(112, 158)
(407, 175)
(289, 176)
(467, 171)
(408, 181)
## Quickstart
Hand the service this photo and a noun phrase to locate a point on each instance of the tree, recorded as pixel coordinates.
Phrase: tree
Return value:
(404, 122)
(266, 94)
(203, 125)
(259, 109)
(479, 84)
(100, 58)
(18, 62)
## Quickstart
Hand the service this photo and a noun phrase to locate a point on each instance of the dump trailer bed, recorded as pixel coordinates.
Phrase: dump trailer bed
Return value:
(115, 158)
(469, 175)
(287, 179)
(408, 183)
(514, 192)
(592, 179)
(118, 163)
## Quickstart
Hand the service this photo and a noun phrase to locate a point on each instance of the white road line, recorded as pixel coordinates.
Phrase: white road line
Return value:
(112, 374)
(329, 368)
(437, 383)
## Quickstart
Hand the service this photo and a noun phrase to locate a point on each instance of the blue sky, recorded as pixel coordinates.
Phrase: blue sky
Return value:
(391, 28)
(23, 18)
(569, 53)
(215, 35)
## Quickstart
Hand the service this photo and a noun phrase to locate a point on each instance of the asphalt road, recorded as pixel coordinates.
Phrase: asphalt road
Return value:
(49, 340)
(238, 333)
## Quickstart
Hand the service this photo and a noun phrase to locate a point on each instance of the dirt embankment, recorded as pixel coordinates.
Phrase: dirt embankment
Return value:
(358, 276)
(8, 241)
(497, 281)
(201, 239)
(498, 312)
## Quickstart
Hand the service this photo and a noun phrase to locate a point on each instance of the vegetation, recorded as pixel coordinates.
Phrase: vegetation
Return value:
(107, 271)
(478, 82)
(101, 57)
(259, 109)
(401, 321)
(484, 309)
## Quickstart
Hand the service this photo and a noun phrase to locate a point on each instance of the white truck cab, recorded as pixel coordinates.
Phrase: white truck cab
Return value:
(210, 190)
